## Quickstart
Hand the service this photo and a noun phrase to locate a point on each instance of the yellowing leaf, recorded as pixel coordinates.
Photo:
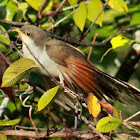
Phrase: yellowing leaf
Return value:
(46, 98)
(118, 41)
(80, 16)
(108, 124)
(9, 122)
(108, 107)
(35, 4)
(93, 9)
(118, 5)
(72, 2)
(3, 137)
(16, 71)
(94, 107)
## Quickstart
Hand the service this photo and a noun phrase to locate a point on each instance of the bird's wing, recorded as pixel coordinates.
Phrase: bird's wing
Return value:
(80, 74)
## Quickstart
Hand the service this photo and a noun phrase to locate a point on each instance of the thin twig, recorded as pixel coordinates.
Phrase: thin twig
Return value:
(61, 4)
(29, 91)
(105, 54)
(90, 51)
(10, 42)
(56, 24)
(132, 116)
(41, 8)
(104, 5)
(84, 119)
(14, 23)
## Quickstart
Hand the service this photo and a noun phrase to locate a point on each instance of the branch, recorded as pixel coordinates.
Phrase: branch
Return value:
(14, 23)
(103, 43)
(80, 134)
(128, 66)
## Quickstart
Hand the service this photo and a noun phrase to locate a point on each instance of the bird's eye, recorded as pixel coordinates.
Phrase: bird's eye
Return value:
(29, 34)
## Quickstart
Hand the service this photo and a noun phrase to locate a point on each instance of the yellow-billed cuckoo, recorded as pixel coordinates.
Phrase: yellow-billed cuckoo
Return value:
(70, 65)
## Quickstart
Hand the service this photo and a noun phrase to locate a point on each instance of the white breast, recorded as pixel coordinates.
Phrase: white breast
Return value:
(41, 56)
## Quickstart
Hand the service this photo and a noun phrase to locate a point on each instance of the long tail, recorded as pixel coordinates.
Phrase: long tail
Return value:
(83, 77)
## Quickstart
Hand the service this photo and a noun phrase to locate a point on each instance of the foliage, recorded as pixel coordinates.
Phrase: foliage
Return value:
(68, 18)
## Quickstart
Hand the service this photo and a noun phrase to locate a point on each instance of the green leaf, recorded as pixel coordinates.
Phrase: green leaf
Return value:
(115, 113)
(2, 37)
(22, 8)
(72, 2)
(118, 41)
(47, 98)
(108, 124)
(35, 4)
(9, 122)
(16, 71)
(118, 5)
(135, 19)
(3, 137)
(80, 16)
(92, 14)
(11, 10)
(3, 2)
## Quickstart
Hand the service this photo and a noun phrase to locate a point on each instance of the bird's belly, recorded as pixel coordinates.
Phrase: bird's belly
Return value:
(41, 55)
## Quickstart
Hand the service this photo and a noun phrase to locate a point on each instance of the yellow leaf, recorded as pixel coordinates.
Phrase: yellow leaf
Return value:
(35, 4)
(72, 2)
(108, 124)
(16, 71)
(118, 41)
(93, 9)
(80, 16)
(47, 98)
(118, 5)
(94, 107)
(3, 136)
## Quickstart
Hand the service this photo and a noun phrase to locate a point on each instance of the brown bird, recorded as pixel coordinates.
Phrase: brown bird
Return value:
(69, 64)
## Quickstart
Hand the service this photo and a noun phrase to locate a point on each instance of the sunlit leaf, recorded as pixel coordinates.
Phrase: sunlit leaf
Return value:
(46, 98)
(3, 137)
(93, 9)
(9, 122)
(93, 105)
(35, 4)
(108, 124)
(80, 16)
(22, 8)
(2, 37)
(3, 2)
(118, 5)
(72, 2)
(16, 71)
(118, 41)
(11, 10)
